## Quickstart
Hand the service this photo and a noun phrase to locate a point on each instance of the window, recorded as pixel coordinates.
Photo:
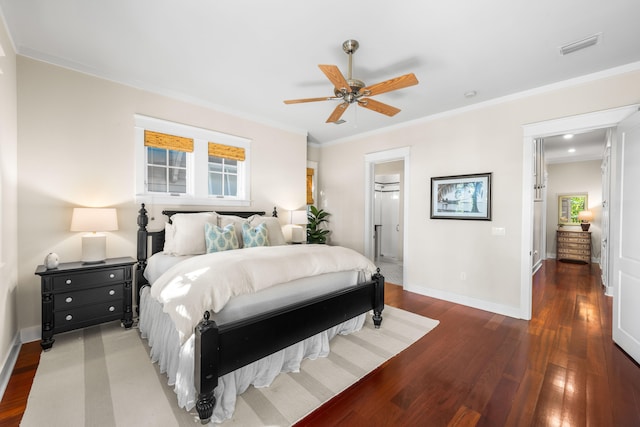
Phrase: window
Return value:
(225, 169)
(181, 164)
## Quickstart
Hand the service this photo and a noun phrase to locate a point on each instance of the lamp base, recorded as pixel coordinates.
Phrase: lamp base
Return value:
(94, 248)
(297, 234)
(585, 226)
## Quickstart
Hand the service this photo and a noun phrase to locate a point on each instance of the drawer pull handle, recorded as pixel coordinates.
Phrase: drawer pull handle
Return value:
(69, 299)
(69, 317)
(111, 276)
(112, 292)
(112, 308)
(68, 282)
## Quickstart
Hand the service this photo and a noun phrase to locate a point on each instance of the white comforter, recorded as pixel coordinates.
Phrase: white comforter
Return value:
(207, 282)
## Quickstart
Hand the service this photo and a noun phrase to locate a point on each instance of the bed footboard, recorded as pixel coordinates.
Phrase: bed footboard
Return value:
(225, 348)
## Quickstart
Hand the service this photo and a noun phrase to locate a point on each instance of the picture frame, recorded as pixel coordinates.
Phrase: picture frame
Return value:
(461, 197)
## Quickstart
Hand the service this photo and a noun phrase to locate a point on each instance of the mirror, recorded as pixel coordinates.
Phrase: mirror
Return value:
(569, 205)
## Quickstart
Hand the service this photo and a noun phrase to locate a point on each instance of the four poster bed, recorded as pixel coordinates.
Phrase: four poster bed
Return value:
(211, 338)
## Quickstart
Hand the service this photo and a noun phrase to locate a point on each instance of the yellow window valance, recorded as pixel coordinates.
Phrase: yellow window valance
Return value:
(226, 151)
(168, 142)
(310, 186)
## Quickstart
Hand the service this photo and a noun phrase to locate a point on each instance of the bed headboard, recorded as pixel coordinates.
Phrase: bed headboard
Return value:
(150, 242)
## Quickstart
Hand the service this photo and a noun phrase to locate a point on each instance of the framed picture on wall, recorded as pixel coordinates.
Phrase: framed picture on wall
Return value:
(461, 197)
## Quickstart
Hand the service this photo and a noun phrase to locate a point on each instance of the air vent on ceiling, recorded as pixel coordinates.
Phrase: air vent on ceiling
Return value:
(580, 44)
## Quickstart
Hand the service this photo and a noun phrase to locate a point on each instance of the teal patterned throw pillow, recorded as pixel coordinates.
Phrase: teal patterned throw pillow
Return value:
(254, 236)
(220, 239)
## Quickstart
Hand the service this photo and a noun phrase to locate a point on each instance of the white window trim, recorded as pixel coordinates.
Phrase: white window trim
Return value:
(197, 164)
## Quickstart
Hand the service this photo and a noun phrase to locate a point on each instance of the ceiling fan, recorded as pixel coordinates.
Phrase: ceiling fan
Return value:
(352, 90)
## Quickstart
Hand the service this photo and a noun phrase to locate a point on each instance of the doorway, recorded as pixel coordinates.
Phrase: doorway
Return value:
(388, 220)
(573, 124)
(386, 212)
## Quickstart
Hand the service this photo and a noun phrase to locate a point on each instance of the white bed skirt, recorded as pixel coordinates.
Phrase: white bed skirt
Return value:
(178, 362)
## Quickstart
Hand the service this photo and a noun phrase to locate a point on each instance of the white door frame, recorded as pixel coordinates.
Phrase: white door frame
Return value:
(370, 161)
(573, 124)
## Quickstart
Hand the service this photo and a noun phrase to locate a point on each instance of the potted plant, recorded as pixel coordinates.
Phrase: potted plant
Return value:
(315, 218)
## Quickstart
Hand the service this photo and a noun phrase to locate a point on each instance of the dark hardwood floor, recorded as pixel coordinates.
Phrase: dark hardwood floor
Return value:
(481, 369)
(477, 368)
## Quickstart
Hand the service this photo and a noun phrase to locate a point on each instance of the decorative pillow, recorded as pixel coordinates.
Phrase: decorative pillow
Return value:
(169, 245)
(220, 239)
(188, 236)
(254, 236)
(274, 229)
(237, 221)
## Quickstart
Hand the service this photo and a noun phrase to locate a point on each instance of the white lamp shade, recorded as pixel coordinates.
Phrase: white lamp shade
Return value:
(94, 219)
(585, 216)
(298, 217)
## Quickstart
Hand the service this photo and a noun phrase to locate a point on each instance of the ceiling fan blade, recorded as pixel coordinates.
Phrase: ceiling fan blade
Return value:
(392, 84)
(298, 101)
(337, 112)
(379, 107)
(333, 73)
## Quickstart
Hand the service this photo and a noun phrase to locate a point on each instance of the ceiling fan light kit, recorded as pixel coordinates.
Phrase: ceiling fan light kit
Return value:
(350, 90)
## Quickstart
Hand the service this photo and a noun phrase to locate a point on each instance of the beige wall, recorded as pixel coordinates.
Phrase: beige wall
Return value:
(487, 139)
(574, 178)
(77, 148)
(8, 201)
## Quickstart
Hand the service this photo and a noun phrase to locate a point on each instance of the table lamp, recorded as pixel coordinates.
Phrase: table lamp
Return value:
(298, 218)
(94, 221)
(585, 217)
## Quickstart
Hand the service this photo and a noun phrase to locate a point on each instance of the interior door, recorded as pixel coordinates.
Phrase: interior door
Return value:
(625, 237)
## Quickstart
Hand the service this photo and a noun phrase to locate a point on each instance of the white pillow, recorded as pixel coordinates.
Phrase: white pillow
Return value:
(274, 229)
(188, 232)
(169, 245)
(237, 221)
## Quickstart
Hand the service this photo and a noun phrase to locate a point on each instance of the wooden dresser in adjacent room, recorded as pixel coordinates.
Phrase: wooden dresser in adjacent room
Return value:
(573, 246)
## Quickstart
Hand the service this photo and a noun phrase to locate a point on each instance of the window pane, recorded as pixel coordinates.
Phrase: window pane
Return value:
(215, 167)
(156, 156)
(231, 185)
(177, 180)
(231, 168)
(214, 159)
(156, 179)
(215, 184)
(177, 158)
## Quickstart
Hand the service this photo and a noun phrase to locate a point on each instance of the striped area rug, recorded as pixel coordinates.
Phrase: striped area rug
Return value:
(102, 376)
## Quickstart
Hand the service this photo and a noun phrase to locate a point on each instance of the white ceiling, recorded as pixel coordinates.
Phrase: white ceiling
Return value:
(247, 56)
(586, 146)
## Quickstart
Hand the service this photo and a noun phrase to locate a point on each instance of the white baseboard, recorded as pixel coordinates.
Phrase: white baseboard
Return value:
(468, 301)
(9, 363)
(34, 333)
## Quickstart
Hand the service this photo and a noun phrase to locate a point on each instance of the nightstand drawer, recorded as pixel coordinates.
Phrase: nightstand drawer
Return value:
(82, 316)
(67, 300)
(102, 276)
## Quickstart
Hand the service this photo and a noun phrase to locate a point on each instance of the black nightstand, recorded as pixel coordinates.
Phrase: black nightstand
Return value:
(76, 295)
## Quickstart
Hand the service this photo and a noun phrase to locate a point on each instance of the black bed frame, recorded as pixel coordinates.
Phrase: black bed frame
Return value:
(225, 348)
